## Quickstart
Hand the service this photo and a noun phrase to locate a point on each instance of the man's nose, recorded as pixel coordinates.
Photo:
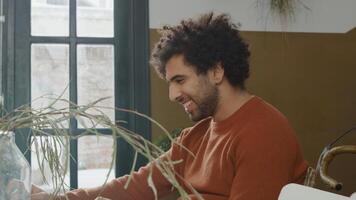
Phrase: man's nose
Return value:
(174, 93)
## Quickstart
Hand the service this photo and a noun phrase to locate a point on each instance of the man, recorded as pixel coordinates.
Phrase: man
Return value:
(244, 148)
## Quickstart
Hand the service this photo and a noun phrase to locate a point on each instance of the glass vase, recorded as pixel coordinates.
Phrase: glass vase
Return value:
(15, 177)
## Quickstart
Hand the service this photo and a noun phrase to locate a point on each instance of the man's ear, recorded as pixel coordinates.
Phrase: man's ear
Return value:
(217, 73)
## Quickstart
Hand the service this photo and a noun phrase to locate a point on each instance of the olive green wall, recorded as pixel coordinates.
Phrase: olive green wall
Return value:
(310, 77)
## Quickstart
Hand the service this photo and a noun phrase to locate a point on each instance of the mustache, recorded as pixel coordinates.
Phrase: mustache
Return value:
(183, 99)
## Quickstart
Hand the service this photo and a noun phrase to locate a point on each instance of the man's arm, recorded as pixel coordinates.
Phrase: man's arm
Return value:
(138, 187)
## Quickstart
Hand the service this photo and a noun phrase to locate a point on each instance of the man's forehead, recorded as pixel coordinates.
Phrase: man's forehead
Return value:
(177, 66)
(174, 72)
(171, 76)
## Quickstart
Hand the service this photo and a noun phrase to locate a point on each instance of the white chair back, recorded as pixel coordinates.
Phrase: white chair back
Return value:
(300, 192)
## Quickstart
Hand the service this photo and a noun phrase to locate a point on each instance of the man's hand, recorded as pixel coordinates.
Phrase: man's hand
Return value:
(16, 190)
(35, 189)
(45, 196)
(38, 194)
(101, 198)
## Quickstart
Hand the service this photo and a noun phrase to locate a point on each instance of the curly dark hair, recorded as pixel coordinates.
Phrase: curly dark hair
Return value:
(204, 43)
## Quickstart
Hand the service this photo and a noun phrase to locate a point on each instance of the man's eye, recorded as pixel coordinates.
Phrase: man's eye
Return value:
(180, 81)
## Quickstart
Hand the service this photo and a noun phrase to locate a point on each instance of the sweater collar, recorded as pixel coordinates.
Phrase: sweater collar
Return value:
(221, 126)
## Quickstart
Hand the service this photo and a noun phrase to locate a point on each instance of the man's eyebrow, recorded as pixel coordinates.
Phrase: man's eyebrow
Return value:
(175, 78)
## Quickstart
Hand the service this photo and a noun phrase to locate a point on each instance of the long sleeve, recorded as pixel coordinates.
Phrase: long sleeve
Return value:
(138, 187)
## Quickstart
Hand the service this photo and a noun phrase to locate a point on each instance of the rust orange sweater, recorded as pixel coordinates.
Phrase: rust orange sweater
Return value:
(249, 156)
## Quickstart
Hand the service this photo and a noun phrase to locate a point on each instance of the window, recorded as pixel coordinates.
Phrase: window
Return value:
(88, 49)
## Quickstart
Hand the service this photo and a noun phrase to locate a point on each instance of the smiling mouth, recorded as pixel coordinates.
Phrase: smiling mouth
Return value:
(188, 106)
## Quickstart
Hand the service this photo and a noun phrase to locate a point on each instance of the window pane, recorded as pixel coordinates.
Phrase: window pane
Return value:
(50, 17)
(95, 79)
(37, 145)
(93, 172)
(95, 18)
(49, 76)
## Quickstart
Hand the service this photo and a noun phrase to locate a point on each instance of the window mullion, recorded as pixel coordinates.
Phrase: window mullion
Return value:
(73, 92)
(140, 74)
(22, 70)
(123, 73)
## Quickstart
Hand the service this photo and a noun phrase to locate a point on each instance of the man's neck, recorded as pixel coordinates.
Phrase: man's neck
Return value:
(231, 100)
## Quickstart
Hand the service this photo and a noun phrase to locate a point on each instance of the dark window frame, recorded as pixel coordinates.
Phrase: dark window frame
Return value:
(132, 84)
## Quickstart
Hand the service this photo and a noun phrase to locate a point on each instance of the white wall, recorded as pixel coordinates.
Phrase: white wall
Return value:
(331, 16)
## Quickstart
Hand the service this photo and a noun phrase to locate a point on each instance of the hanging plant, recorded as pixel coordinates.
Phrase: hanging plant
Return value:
(285, 9)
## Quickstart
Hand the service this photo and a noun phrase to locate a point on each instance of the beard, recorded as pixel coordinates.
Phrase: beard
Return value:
(206, 102)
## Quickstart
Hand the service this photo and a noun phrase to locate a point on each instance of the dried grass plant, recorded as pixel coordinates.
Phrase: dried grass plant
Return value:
(285, 9)
(54, 118)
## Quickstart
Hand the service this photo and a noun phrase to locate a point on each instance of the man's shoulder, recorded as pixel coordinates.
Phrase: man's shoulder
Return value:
(263, 112)
(263, 120)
